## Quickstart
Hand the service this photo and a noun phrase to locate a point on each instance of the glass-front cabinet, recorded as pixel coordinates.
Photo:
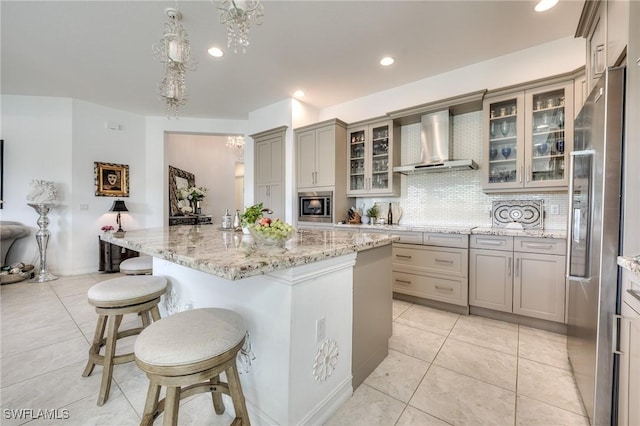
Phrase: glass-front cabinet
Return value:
(528, 137)
(371, 159)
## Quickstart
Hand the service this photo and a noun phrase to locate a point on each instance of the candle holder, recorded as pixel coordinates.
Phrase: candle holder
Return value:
(42, 237)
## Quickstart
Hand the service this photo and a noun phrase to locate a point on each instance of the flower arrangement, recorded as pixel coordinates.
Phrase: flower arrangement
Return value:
(106, 228)
(193, 193)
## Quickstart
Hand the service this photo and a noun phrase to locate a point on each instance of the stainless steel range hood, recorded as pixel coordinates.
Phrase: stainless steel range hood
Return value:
(436, 147)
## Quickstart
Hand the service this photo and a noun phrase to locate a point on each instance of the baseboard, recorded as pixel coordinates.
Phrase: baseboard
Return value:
(328, 407)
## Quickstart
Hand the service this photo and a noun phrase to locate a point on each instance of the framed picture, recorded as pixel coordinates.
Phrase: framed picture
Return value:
(111, 180)
(178, 179)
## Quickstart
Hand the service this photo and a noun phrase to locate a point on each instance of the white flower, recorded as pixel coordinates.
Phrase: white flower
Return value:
(325, 360)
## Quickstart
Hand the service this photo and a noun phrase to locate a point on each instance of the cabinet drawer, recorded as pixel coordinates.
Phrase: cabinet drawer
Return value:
(408, 237)
(445, 240)
(492, 242)
(540, 245)
(440, 260)
(436, 287)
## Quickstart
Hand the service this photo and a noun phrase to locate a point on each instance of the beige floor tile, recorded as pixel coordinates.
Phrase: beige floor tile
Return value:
(31, 317)
(54, 389)
(26, 365)
(199, 411)
(368, 407)
(25, 292)
(543, 349)
(428, 319)
(414, 417)
(399, 306)
(552, 385)
(13, 343)
(491, 322)
(116, 411)
(79, 307)
(480, 333)
(70, 286)
(415, 342)
(530, 412)
(490, 366)
(548, 335)
(398, 375)
(462, 400)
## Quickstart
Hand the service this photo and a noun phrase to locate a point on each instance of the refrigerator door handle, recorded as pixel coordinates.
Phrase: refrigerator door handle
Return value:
(615, 330)
(574, 213)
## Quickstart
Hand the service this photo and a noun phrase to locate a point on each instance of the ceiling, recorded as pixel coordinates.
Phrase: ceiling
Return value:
(100, 51)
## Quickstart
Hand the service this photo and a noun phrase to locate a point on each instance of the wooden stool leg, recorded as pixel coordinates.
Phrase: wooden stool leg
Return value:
(94, 350)
(151, 404)
(107, 366)
(155, 313)
(235, 389)
(146, 321)
(171, 405)
(218, 405)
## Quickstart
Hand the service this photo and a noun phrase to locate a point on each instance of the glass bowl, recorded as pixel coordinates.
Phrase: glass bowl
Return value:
(262, 237)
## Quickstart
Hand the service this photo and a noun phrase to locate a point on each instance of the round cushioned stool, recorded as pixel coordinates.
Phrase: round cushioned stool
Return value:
(186, 352)
(113, 299)
(141, 265)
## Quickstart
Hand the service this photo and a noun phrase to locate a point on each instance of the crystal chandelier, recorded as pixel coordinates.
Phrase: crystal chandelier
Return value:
(174, 52)
(238, 16)
(236, 144)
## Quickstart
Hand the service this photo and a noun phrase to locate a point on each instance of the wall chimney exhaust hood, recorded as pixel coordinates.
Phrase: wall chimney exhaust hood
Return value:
(436, 147)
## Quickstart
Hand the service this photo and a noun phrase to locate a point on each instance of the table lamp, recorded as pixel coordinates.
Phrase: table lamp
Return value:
(119, 206)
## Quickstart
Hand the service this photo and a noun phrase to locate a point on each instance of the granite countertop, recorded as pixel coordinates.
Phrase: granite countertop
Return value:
(463, 229)
(233, 255)
(630, 263)
(510, 232)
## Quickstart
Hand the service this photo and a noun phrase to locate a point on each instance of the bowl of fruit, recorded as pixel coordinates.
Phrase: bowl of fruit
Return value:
(271, 232)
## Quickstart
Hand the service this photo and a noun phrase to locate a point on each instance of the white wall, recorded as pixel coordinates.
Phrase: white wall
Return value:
(214, 167)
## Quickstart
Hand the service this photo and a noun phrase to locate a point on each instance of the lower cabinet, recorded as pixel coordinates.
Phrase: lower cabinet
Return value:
(629, 387)
(524, 276)
(436, 273)
(112, 255)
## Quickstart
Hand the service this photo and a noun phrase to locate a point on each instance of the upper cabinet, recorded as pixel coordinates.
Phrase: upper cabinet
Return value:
(269, 169)
(371, 156)
(528, 135)
(320, 155)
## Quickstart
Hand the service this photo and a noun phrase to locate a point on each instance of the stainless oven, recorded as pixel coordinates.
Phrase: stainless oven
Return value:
(315, 206)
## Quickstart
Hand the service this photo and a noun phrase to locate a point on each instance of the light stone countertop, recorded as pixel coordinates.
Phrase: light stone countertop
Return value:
(510, 232)
(630, 263)
(463, 229)
(233, 255)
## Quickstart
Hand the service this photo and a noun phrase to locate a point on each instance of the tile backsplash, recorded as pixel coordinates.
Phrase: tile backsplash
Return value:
(456, 197)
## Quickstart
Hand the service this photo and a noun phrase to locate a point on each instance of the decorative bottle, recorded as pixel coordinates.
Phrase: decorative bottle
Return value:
(389, 216)
(237, 223)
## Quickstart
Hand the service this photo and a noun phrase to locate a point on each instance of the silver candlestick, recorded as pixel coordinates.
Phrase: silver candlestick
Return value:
(42, 237)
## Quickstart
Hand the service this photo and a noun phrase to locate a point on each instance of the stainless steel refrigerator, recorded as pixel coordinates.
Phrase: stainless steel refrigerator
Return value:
(593, 235)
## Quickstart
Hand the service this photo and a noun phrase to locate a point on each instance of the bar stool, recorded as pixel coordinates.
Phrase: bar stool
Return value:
(113, 299)
(186, 352)
(141, 265)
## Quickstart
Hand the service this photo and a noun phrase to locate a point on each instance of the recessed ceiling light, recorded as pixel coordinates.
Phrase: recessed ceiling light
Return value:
(386, 61)
(216, 52)
(298, 94)
(545, 5)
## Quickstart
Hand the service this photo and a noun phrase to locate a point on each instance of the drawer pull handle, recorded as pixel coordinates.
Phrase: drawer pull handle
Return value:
(539, 246)
(490, 242)
(403, 256)
(450, 262)
(449, 289)
(403, 282)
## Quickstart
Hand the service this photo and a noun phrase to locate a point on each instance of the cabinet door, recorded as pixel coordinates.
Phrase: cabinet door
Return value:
(269, 167)
(549, 135)
(379, 161)
(358, 151)
(539, 286)
(490, 279)
(629, 408)
(271, 196)
(504, 137)
(306, 159)
(325, 156)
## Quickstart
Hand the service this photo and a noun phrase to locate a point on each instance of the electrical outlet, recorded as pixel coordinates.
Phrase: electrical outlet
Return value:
(321, 329)
(84, 206)
(554, 209)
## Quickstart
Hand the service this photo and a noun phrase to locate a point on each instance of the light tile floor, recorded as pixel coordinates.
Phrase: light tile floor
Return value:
(442, 368)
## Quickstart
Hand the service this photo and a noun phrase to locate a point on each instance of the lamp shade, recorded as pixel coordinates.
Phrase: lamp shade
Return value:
(118, 206)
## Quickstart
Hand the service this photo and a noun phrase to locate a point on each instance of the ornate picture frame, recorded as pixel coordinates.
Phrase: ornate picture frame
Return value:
(111, 180)
(178, 178)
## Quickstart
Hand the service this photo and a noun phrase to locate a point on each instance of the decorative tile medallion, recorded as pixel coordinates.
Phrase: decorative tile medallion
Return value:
(516, 213)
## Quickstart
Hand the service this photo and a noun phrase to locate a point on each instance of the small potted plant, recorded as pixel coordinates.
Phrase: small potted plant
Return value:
(372, 214)
(251, 214)
(106, 228)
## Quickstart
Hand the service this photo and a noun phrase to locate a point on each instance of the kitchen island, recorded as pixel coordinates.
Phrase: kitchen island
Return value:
(305, 304)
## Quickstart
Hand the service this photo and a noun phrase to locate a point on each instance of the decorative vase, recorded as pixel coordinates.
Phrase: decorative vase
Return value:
(365, 220)
(42, 237)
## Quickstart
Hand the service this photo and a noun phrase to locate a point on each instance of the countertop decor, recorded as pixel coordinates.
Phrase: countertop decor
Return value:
(235, 256)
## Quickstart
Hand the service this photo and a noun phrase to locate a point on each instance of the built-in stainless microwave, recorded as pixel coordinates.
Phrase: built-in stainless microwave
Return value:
(315, 206)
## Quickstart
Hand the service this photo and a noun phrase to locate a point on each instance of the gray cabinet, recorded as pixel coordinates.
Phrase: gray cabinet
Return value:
(269, 169)
(629, 388)
(519, 275)
(320, 154)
